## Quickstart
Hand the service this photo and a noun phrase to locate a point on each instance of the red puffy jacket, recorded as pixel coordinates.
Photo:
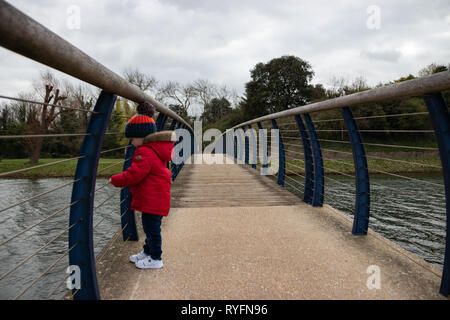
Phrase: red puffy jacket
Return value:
(148, 178)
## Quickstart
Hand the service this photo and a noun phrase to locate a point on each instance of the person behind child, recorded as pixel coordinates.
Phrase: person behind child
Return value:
(149, 181)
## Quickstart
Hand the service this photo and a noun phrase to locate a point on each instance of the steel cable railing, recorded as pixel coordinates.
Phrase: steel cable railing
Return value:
(350, 188)
(373, 169)
(39, 195)
(4, 174)
(38, 223)
(46, 104)
(46, 271)
(61, 55)
(22, 262)
(64, 280)
(389, 160)
(48, 192)
(36, 252)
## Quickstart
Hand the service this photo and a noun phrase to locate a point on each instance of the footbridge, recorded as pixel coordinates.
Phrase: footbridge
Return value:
(250, 220)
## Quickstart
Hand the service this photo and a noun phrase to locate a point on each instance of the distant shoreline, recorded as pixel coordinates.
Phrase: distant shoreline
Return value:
(332, 165)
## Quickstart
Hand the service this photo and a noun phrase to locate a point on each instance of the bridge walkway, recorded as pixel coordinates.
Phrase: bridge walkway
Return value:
(234, 234)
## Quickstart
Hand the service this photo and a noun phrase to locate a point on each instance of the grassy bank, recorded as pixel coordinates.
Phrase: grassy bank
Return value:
(108, 167)
(397, 166)
(65, 169)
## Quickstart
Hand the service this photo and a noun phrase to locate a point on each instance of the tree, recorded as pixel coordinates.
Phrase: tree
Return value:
(43, 116)
(431, 69)
(182, 96)
(204, 90)
(318, 93)
(141, 80)
(179, 110)
(83, 98)
(280, 84)
(216, 109)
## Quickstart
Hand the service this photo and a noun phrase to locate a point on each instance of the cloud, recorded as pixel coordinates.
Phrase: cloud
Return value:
(221, 41)
(389, 55)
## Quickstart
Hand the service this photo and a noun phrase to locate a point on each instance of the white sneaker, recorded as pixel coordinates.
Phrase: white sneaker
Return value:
(136, 257)
(149, 263)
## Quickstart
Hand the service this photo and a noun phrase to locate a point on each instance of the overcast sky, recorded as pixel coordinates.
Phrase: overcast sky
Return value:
(221, 41)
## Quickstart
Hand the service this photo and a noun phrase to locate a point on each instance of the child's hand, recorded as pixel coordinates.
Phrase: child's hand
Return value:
(110, 180)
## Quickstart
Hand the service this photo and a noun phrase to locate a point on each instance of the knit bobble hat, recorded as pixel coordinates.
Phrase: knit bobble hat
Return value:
(146, 108)
(142, 124)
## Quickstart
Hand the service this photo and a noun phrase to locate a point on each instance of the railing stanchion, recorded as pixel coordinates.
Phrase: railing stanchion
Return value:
(263, 149)
(309, 164)
(171, 128)
(246, 146)
(235, 147)
(254, 149)
(161, 121)
(176, 167)
(82, 255)
(362, 195)
(181, 153)
(319, 183)
(128, 218)
(281, 156)
(224, 144)
(438, 110)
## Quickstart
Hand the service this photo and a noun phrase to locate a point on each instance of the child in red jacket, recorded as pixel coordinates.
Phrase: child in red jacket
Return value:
(149, 181)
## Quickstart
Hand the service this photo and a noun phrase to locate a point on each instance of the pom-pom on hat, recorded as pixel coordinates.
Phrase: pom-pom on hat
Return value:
(142, 124)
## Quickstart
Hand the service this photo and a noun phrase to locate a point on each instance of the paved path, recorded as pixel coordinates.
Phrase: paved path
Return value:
(233, 234)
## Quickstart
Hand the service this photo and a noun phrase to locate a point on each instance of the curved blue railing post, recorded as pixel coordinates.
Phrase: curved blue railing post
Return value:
(176, 167)
(319, 183)
(309, 164)
(172, 127)
(362, 196)
(438, 110)
(254, 148)
(82, 255)
(263, 147)
(161, 121)
(173, 124)
(235, 147)
(281, 155)
(128, 218)
(181, 152)
(246, 148)
(224, 143)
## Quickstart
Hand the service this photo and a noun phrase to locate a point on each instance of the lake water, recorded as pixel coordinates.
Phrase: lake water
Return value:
(22, 216)
(406, 211)
(410, 213)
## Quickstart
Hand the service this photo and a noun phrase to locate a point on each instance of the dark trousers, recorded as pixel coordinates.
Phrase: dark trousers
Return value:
(151, 223)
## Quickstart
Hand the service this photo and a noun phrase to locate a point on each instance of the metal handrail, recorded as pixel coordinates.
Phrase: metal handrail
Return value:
(25, 36)
(410, 88)
(430, 87)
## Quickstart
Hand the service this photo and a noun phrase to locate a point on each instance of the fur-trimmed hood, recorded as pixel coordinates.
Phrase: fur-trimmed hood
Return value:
(161, 143)
(161, 136)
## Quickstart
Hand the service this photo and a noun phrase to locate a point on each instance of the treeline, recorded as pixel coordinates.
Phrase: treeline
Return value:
(286, 82)
(280, 84)
(22, 117)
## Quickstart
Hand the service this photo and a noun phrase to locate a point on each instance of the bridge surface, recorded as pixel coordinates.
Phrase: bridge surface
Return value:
(234, 234)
